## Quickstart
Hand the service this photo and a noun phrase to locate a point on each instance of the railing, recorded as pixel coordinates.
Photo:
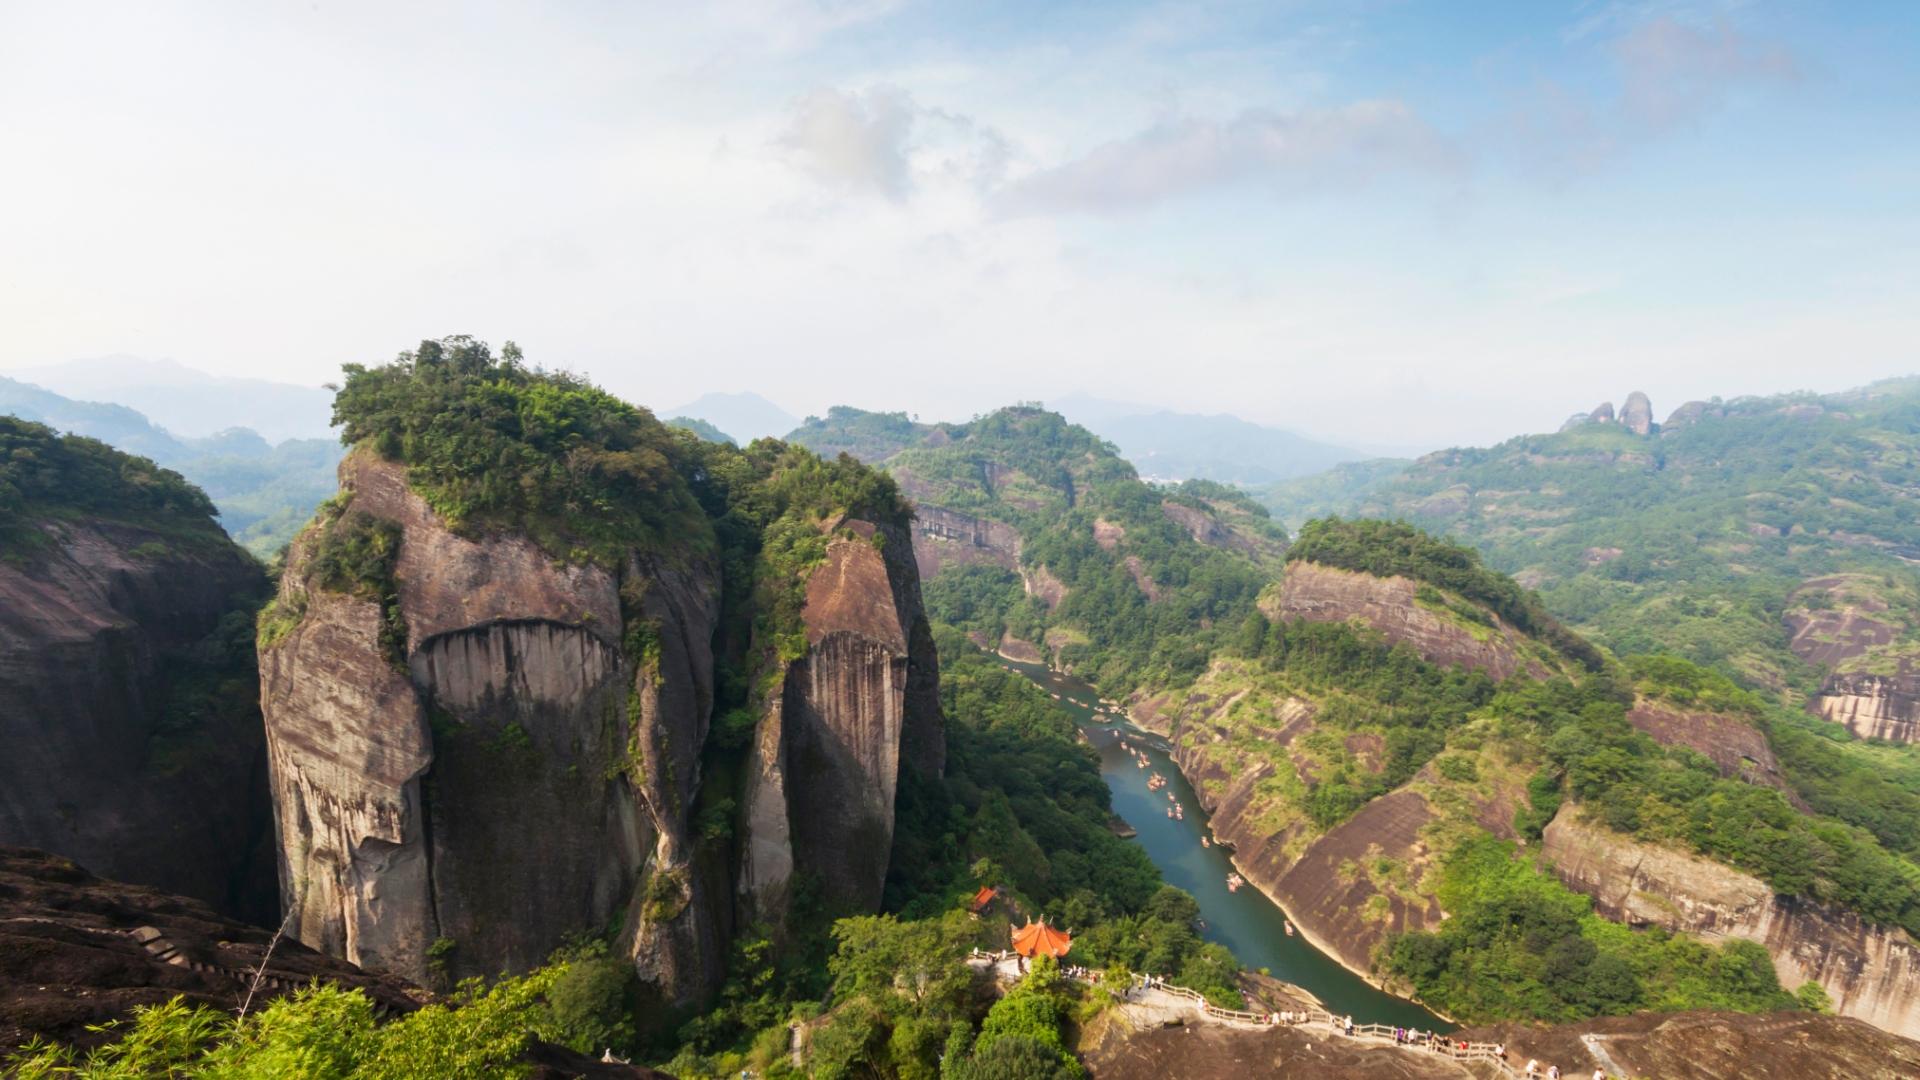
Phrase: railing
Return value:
(1492, 1053)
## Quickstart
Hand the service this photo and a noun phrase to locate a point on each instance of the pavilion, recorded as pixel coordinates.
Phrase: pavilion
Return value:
(1036, 938)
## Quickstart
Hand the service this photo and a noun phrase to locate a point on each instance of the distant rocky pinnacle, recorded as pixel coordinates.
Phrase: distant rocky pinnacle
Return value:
(1636, 415)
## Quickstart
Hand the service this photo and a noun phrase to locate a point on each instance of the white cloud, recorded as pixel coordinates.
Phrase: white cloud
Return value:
(855, 140)
(1288, 152)
(1672, 72)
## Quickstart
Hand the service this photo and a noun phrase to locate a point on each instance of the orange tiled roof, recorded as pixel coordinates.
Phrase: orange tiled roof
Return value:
(1037, 937)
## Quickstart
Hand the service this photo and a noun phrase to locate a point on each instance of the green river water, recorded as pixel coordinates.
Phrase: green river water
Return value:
(1243, 920)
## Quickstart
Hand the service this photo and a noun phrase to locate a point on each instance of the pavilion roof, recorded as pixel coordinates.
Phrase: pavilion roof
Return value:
(1037, 937)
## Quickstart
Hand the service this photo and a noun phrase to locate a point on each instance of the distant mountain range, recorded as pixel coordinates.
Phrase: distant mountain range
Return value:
(742, 417)
(190, 403)
(264, 491)
(1174, 446)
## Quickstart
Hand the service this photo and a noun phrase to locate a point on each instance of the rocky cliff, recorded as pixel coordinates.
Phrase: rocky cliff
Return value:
(861, 703)
(1872, 706)
(487, 751)
(131, 744)
(1872, 973)
(1394, 607)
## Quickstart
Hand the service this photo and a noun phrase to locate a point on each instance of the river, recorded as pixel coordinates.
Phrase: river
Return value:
(1245, 921)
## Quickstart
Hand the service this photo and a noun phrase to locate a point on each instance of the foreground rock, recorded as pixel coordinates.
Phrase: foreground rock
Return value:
(1674, 1046)
(130, 739)
(78, 951)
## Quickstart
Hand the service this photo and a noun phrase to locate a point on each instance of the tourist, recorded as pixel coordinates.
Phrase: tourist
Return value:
(1553, 1072)
(1533, 1067)
(1349, 1027)
(1599, 1074)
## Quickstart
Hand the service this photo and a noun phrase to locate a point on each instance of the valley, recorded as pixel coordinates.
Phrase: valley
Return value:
(722, 731)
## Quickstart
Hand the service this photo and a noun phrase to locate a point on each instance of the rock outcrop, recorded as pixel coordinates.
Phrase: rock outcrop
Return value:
(829, 750)
(471, 796)
(1602, 413)
(1637, 414)
(1672, 1046)
(1391, 606)
(77, 951)
(505, 751)
(1872, 706)
(130, 743)
(943, 538)
(1871, 972)
(1736, 748)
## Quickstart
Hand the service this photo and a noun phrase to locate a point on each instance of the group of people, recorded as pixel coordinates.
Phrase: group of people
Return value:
(1084, 974)
(1553, 1072)
(1439, 1043)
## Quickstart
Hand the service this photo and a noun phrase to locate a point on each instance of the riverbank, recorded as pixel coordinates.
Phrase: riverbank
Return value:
(1250, 922)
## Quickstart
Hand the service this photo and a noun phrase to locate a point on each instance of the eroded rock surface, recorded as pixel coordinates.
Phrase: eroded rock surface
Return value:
(862, 704)
(100, 760)
(510, 779)
(1871, 972)
(1390, 605)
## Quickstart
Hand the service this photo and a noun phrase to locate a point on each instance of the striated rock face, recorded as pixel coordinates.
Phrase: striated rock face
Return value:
(1738, 748)
(99, 630)
(1602, 413)
(511, 779)
(1872, 973)
(944, 538)
(1637, 414)
(862, 703)
(1389, 605)
(1872, 706)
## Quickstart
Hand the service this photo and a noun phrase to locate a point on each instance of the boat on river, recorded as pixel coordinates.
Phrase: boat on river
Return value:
(1234, 881)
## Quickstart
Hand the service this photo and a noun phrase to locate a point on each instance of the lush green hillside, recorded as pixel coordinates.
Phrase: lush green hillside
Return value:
(1130, 582)
(1695, 537)
(44, 474)
(263, 492)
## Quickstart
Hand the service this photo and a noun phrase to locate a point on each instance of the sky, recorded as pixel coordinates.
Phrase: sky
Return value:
(1391, 223)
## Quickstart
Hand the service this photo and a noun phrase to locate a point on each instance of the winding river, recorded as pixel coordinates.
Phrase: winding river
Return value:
(1245, 921)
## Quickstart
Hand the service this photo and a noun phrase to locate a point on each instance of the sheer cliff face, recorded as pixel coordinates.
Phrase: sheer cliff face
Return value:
(521, 764)
(96, 627)
(1872, 706)
(863, 702)
(1872, 973)
(507, 777)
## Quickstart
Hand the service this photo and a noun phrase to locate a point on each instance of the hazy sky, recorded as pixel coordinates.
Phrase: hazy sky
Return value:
(1385, 222)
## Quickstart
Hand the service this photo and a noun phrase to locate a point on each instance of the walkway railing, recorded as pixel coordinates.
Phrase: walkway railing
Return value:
(1383, 1034)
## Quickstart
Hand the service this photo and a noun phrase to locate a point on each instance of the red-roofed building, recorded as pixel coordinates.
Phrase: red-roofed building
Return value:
(982, 898)
(1036, 938)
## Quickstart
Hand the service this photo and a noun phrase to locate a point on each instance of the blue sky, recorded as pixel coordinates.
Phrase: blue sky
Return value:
(1390, 222)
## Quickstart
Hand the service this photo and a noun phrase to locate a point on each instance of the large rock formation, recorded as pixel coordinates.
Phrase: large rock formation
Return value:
(506, 751)
(862, 701)
(1637, 414)
(125, 687)
(1736, 748)
(1872, 706)
(1392, 606)
(1871, 972)
(943, 538)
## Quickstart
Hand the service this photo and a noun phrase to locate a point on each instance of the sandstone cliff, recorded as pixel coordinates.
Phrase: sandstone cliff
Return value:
(861, 703)
(125, 682)
(1872, 973)
(1393, 606)
(1872, 706)
(492, 751)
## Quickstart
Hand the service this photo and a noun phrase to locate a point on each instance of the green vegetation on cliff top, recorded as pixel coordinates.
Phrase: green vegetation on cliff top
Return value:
(45, 475)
